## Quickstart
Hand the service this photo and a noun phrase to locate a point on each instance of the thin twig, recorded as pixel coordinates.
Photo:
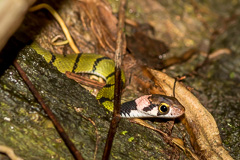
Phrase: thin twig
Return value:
(9, 152)
(120, 49)
(97, 135)
(60, 21)
(85, 81)
(57, 125)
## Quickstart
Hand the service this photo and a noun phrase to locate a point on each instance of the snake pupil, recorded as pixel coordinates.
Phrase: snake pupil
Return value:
(164, 108)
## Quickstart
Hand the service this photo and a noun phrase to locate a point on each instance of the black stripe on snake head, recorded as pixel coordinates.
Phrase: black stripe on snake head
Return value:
(150, 107)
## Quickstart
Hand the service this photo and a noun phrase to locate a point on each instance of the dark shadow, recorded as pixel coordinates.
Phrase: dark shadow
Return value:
(31, 26)
(10, 52)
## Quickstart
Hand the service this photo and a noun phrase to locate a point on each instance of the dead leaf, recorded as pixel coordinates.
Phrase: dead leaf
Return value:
(199, 122)
(146, 50)
(184, 57)
(103, 23)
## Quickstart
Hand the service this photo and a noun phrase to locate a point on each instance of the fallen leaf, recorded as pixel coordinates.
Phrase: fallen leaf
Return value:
(199, 122)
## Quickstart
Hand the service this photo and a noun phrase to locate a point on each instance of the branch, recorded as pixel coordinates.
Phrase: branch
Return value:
(120, 49)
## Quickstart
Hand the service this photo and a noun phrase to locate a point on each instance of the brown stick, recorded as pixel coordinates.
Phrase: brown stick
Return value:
(85, 81)
(121, 47)
(76, 154)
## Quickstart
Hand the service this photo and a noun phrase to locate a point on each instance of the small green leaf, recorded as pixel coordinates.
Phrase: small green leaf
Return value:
(130, 139)
(124, 132)
(232, 75)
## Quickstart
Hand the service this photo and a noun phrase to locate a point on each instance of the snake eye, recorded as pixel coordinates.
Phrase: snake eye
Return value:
(163, 108)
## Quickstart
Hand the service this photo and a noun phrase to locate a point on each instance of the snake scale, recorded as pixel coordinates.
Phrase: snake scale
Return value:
(150, 106)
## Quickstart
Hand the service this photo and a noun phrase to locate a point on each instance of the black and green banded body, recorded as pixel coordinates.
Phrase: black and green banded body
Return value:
(86, 63)
(145, 106)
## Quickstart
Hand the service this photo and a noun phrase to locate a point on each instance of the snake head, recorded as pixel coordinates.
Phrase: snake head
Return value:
(153, 106)
(164, 106)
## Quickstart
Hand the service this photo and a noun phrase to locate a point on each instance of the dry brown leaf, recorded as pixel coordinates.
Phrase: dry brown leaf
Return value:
(102, 22)
(146, 50)
(199, 122)
(183, 58)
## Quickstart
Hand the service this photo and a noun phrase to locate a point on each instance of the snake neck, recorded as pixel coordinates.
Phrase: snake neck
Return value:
(128, 109)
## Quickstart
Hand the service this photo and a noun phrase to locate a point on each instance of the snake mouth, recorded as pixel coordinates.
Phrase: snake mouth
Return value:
(178, 110)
